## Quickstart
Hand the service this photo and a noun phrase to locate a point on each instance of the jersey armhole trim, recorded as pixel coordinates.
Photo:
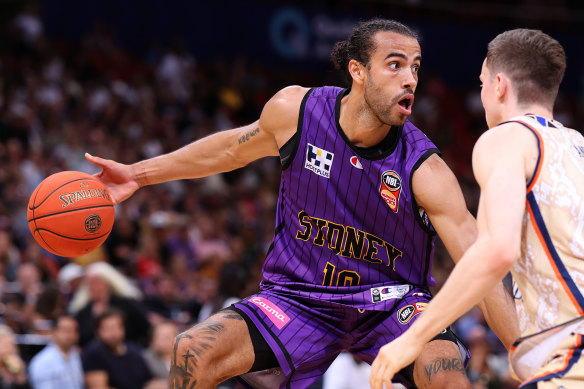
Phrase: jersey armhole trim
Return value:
(540, 153)
(415, 207)
(288, 151)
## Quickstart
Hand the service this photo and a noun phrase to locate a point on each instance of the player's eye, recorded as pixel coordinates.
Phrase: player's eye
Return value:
(393, 65)
(416, 68)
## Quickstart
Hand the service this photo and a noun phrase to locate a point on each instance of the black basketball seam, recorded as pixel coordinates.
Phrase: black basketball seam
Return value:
(35, 224)
(69, 237)
(69, 211)
(48, 245)
(56, 189)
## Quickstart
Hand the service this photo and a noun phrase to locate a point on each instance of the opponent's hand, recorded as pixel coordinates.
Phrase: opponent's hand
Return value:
(117, 177)
(391, 358)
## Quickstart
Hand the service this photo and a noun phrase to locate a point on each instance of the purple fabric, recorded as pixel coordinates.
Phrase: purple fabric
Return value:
(336, 236)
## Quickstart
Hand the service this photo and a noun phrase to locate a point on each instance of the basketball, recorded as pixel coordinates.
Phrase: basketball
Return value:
(70, 213)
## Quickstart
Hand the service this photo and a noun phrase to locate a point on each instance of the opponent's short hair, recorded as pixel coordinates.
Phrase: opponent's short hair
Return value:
(534, 61)
(361, 44)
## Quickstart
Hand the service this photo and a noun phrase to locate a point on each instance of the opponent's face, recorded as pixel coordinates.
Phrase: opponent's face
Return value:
(489, 96)
(392, 77)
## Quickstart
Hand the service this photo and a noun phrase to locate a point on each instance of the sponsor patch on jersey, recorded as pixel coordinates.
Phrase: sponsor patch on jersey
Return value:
(382, 293)
(355, 162)
(390, 189)
(319, 161)
(272, 311)
(406, 314)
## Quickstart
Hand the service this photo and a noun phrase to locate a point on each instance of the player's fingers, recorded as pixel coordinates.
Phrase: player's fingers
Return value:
(374, 377)
(95, 160)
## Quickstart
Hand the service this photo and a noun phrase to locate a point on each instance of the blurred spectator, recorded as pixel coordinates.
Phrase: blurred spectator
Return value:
(110, 361)
(158, 355)
(231, 284)
(167, 304)
(12, 367)
(27, 290)
(70, 277)
(28, 25)
(105, 287)
(9, 255)
(58, 365)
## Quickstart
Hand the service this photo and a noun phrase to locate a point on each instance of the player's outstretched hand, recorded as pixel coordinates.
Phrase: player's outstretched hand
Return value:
(391, 358)
(117, 177)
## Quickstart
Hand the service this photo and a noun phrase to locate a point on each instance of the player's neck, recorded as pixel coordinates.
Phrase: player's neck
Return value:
(532, 109)
(361, 127)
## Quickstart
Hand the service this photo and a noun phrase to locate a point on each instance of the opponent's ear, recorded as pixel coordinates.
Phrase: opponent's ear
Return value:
(357, 71)
(502, 88)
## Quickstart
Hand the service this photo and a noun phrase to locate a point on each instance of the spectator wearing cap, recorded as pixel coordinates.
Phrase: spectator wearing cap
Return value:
(104, 287)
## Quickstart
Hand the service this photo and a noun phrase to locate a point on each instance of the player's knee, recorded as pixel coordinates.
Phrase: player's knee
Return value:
(444, 372)
(189, 365)
(447, 381)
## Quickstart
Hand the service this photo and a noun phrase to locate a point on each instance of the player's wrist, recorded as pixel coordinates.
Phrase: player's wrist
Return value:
(140, 174)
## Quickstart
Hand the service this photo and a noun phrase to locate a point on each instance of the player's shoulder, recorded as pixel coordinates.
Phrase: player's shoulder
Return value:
(281, 111)
(511, 135)
(292, 94)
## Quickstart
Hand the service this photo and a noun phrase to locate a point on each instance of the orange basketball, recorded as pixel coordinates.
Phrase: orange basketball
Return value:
(70, 213)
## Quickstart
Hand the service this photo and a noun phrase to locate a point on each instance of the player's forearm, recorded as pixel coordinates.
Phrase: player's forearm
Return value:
(499, 311)
(484, 267)
(213, 154)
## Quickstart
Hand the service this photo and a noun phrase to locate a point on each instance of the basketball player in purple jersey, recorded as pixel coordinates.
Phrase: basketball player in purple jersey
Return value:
(363, 193)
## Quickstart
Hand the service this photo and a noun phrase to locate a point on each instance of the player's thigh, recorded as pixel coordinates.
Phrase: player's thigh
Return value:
(440, 366)
(219, 348)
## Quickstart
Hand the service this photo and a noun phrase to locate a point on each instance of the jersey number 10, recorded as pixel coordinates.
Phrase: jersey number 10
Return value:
(344, 278)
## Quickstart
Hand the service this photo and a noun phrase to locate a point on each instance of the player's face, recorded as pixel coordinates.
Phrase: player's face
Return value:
(489, 97)
(392, 77)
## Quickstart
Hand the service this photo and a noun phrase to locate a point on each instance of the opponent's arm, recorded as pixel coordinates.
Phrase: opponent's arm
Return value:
(499, 165)
(220, 152)
(445, 205)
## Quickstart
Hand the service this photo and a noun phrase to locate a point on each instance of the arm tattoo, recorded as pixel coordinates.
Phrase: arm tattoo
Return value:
(443, 364)
(247, 136)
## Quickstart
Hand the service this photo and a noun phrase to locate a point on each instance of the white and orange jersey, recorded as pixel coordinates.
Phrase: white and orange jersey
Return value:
(549, 276)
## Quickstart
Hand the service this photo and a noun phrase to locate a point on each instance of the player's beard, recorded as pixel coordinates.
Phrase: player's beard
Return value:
(377, 102)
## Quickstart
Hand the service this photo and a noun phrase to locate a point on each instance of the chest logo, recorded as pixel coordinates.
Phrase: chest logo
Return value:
(319, 161)
(355, 162)
(390, 189)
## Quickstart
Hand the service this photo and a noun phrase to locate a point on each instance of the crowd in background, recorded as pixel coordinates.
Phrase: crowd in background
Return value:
(178, 251)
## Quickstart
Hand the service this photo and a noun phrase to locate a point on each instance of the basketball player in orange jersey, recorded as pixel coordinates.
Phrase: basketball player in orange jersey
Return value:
(356, 218)
(531, 220)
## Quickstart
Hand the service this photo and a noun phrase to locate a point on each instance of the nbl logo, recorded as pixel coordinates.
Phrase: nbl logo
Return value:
(319, 161)
(390, 189)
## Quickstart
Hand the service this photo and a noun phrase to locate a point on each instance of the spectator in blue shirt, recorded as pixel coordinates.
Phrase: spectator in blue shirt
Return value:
(58, 366)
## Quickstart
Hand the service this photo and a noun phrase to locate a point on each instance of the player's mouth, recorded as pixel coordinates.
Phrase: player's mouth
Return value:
(405, 104)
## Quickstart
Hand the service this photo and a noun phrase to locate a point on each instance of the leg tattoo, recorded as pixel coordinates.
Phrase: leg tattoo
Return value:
(182, 377)
(443, 365)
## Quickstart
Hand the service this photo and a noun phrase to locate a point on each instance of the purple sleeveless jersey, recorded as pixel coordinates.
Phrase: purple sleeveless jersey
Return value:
(347, 224)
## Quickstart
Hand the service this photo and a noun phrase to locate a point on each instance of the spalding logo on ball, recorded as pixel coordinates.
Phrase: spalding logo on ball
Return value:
(70, 213)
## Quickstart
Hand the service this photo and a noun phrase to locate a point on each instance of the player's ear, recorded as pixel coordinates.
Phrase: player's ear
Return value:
(357, 71)
(502, 86)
